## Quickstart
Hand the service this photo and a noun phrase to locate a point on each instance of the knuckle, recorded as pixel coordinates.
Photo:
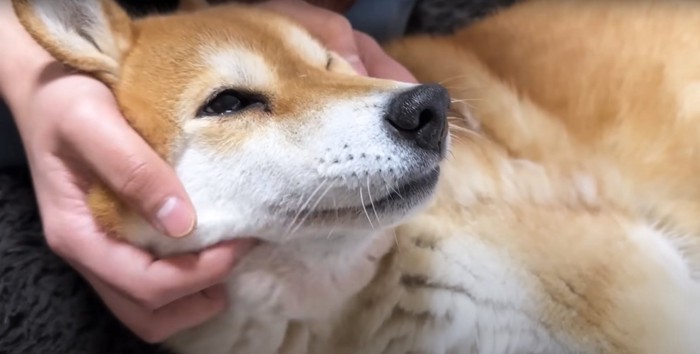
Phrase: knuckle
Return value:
(76, 114)
(337, 26)
(83, 111)
(84, 108)
(150, 299)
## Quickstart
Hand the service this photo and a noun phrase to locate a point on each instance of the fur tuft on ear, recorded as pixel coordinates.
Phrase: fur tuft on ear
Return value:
(89, 35)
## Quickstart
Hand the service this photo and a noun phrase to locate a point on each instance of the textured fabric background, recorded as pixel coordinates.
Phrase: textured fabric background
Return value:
(45, 307)
(444, 16)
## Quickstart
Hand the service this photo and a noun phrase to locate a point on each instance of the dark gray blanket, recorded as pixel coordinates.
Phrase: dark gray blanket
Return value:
(46, 308)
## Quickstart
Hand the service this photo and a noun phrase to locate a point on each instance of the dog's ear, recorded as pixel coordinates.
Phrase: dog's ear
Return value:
(192, 5)
(89, 35)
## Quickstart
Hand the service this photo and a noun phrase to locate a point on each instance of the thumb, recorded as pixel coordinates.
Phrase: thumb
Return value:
(128, 165)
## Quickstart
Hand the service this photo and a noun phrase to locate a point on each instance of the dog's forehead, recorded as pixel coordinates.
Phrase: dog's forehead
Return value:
(233, 30)
(177, 63)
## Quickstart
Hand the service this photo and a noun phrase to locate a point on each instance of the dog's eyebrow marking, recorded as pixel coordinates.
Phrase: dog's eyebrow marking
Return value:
(239, 67)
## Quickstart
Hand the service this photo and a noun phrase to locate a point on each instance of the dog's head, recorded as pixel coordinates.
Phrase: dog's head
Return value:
(271, 134)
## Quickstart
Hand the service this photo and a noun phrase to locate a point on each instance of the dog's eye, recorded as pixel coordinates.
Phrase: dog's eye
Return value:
(224, 103)
(228, 102)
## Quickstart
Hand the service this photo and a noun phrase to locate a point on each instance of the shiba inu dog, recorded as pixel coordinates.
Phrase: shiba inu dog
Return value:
(548, 204)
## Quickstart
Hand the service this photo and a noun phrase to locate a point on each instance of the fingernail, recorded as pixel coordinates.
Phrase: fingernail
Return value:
(357, 64)
(175, 218)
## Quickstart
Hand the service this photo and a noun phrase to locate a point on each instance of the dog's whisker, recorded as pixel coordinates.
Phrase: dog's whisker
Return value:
(292, 224)
(364, 208)
(396, 191)
(371, 202)
(386, 185)
(396, 241)
(457, 129)
(391, 188)
(465, 100)
(453, 78)
(459, 88)
(330, 233)
(471, 134)
(313, 207)
(337, 218)
(456, 139)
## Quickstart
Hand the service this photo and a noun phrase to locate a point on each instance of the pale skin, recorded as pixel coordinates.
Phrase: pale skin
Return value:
(64, 119)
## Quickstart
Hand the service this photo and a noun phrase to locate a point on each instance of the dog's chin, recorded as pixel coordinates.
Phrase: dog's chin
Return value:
(383, 212)
(404, 199)
(307, 273)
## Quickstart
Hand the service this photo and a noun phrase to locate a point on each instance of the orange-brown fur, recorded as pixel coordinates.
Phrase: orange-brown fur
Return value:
(585, 94)
(594, 95)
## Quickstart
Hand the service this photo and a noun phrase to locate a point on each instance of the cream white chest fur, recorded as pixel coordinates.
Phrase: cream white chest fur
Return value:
(461, 285)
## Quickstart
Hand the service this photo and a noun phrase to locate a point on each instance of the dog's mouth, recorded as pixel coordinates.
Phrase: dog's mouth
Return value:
(400, 200)
(411, 192)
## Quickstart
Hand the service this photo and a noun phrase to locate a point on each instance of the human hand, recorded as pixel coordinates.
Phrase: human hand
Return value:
(73, 133)
(335, 31)
(65, 125)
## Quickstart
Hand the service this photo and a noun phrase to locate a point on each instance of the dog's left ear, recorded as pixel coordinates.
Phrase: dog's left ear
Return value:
(89, 35)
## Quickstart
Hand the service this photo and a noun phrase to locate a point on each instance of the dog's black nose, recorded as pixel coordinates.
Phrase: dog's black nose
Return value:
(420, 115)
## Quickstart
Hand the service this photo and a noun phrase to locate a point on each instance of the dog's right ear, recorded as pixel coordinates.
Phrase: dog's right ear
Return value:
(89, 35)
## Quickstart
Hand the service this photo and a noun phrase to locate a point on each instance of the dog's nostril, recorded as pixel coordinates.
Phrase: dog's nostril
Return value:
(427, 116)
(420, 115)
